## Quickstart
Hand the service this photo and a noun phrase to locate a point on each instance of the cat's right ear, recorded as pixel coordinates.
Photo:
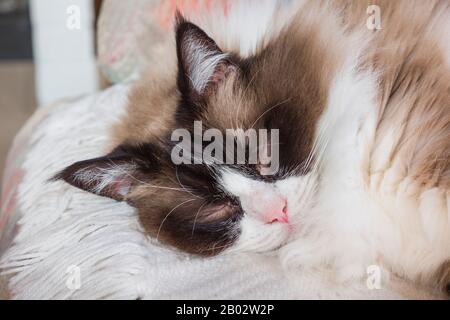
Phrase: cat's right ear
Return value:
(201, 63)
(114, 175)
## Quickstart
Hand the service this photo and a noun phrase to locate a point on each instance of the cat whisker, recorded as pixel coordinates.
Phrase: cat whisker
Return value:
(145, 184)
(165, 218)
(182, 185)
(268, 110)
(196, 216)
(238, 113)
(215, 247)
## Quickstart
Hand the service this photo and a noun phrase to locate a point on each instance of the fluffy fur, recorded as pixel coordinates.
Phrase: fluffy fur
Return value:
(364, 118)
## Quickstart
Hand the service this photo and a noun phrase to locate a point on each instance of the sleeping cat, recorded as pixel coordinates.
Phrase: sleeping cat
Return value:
(364, 137)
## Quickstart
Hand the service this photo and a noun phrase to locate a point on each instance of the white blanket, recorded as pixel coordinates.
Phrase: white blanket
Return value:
(74, 245)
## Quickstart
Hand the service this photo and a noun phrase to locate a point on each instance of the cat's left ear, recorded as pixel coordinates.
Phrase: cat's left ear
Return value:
(201, 63)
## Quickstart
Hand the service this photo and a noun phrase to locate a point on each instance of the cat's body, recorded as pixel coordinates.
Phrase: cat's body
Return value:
(364, 119)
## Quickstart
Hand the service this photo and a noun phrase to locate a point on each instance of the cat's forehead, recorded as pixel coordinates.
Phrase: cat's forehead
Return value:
(262, 90)
(241, 102)
(239, 184)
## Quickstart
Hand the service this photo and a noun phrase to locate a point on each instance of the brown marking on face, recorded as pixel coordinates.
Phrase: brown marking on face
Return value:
(284, 86)
(177, 208)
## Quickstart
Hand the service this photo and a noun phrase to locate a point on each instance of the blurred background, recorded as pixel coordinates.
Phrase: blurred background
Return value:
(47, 52)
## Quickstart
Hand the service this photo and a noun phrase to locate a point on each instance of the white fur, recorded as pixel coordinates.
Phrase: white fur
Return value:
(343, 218)
(256, 234)
(358, 220)
(339, 227)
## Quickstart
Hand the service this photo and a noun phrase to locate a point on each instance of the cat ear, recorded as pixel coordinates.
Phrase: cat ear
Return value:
(112, 176)
(201, 63)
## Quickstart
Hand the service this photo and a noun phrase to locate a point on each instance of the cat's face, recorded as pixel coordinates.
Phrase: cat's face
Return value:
(207, 207)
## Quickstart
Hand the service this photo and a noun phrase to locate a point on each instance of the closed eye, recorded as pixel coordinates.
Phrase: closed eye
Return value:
(219, 212)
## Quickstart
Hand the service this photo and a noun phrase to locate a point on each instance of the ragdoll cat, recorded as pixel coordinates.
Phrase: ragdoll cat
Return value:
(364, 137)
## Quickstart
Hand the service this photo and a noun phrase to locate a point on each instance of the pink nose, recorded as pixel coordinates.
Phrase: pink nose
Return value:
(277, 213)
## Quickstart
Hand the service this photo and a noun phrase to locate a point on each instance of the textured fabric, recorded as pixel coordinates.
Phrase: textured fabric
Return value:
(63, 229)
(13, 175)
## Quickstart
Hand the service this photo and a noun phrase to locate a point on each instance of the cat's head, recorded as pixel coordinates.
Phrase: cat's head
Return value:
(206, 207)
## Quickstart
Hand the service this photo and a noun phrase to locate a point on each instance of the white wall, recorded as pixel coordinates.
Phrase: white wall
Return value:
(63, 48)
